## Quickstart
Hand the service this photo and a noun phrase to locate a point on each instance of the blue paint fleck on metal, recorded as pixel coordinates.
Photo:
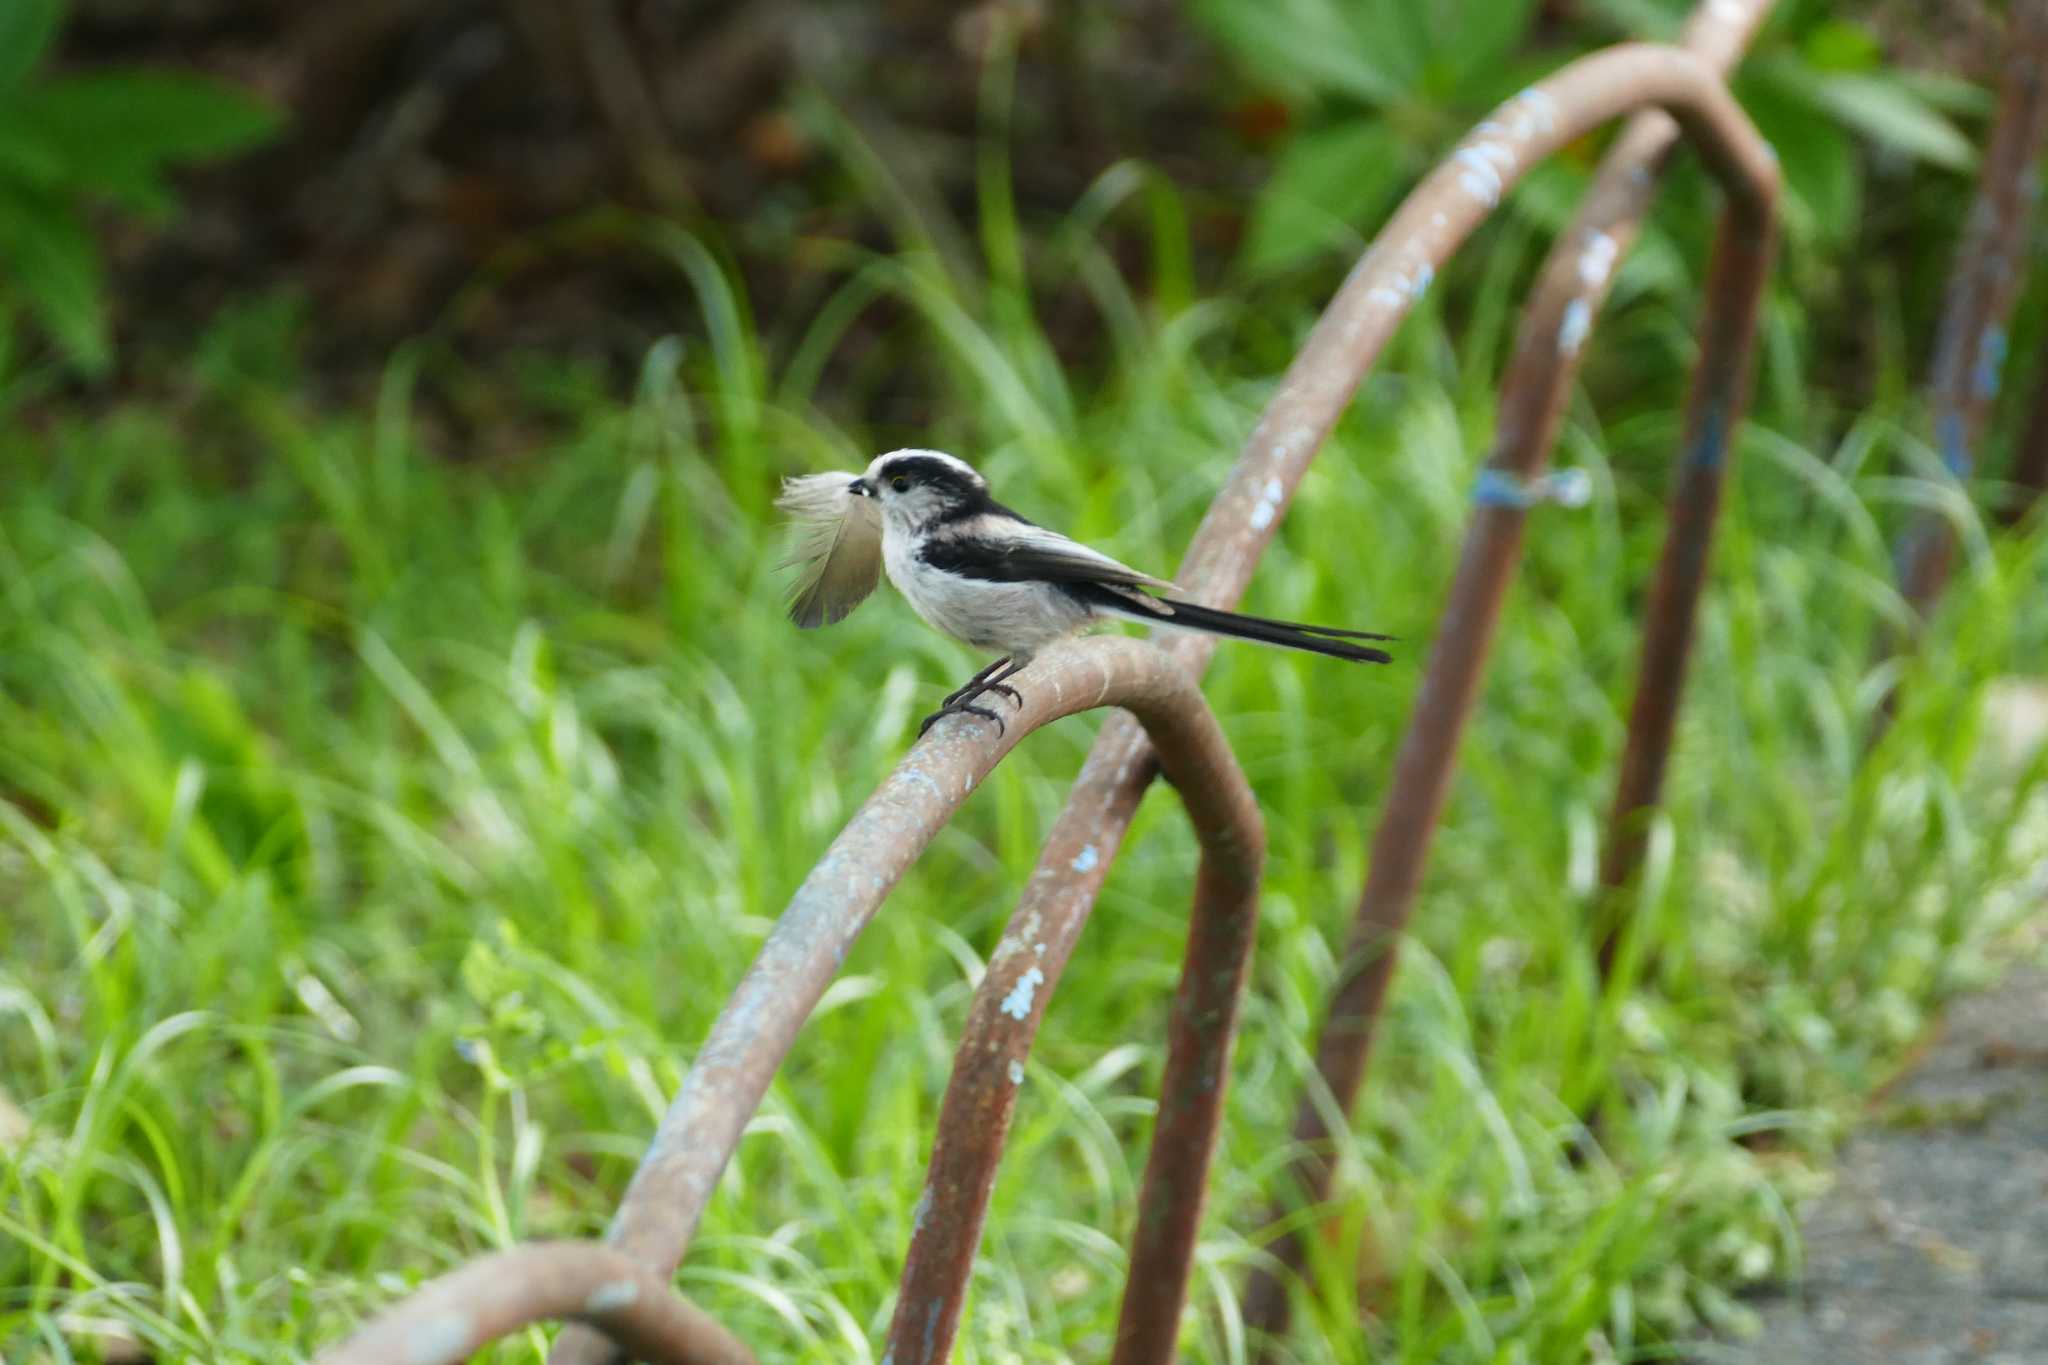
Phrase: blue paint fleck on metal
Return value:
(611, 1296)
(1955, 451)
(1572, 328)
(1990, 363)
(921, 1211)
(1499, 488)
(1711, 447)
(1541, 105)
(1017, 1004)
(923, 779)
(1911, 546)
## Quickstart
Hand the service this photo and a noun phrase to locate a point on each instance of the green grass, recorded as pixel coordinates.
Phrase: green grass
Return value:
(383, 824)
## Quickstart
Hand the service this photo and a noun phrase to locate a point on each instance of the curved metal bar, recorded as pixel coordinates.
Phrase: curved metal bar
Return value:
(1378, 293)
(1004, 1019)
(1348, 338)
(698, 1135)
(1969, 350)
(1569, 293)
(1720, 394)
(731, 1073)
(1204, 1027)
(453, 1317)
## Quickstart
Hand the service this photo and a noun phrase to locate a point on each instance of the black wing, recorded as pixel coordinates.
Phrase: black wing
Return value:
(1009, 551)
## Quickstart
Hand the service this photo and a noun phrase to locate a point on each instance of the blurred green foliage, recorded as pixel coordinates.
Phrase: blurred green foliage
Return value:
(1377, 85)
(386, 811)
(1377, 88)
(73, 141)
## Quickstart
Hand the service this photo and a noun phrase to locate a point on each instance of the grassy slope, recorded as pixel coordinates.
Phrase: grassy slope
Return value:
(381, 832)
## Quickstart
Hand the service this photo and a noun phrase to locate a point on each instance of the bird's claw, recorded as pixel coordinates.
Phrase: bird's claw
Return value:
(979, 684)
(960, 709)
(961, 702)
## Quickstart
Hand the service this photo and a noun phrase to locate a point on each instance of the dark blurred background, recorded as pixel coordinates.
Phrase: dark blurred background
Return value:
(430, 141)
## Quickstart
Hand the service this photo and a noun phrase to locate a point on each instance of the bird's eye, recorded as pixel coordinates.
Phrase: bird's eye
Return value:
(900, 484)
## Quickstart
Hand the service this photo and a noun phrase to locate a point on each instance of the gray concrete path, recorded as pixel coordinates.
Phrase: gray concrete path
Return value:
(1931, 1248)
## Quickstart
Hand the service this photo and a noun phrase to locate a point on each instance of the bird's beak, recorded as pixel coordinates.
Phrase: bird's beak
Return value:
(859, 488)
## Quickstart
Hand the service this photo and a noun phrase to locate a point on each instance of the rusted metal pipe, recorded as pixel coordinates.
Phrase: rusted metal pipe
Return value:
(1004, 1019)
(733, 1070)
(1720, 394)
(1190, 1112)
(703, 1125)
(1570, 291)
(1969, 349)
(622, 1302)
(1356, 326)
(2030, 461)
(1347, 339)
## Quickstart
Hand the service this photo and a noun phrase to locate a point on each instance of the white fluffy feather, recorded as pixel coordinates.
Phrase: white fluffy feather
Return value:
(838, 547)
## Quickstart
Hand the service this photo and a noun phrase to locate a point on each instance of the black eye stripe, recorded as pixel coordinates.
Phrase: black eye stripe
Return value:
(922, 471)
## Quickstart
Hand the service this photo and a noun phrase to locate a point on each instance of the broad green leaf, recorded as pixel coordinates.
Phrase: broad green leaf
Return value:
(25, 158)
(26, 28)
(1842, 45)
(1306, 48)
(1890, 113)
(1656, 20)
(1476, 37)
(1823, 186)
(1949, 93)
(50, 261)
(117, 127)
(1396, 32)
(1326, 184)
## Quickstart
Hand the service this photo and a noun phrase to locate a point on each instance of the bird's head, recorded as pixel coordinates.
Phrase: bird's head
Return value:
(916, 488)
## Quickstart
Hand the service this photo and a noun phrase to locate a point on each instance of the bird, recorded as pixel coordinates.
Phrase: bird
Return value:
(988, 577)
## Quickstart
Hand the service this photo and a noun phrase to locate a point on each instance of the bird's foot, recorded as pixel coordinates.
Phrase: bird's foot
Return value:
(976, 685)
(961, 708)
(961, 703)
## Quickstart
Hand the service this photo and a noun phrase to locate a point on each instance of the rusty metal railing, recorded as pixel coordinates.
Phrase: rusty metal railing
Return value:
(842, 893)
(1568, 295)
(457, 1315)
(2030, 460)
(618, 1296)
(1001, 1026)
(1970, 347)
(1172, 732)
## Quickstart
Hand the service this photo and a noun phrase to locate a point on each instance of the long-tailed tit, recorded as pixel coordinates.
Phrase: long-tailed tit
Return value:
(984, 575)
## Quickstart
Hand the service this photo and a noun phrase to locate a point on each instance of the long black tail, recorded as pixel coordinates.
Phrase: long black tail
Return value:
(1288, 634)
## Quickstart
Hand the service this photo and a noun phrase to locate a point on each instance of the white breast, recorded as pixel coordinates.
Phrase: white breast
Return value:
(1016, 619)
